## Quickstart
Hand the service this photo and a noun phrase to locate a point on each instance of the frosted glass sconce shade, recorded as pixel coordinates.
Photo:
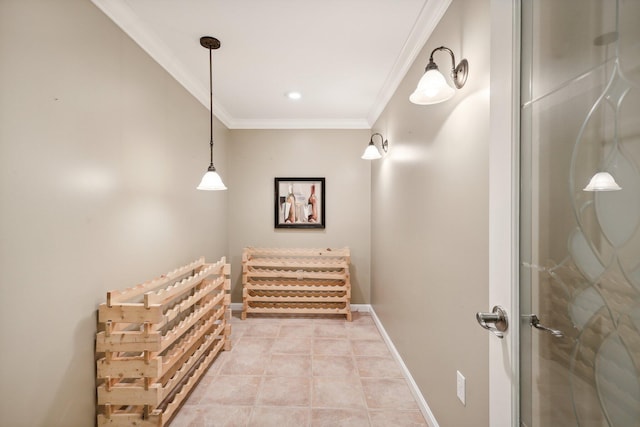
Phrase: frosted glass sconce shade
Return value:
(372, 152)
(602, 181)
(433, 87)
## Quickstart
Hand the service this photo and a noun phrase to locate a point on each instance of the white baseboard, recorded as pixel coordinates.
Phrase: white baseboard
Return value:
(422, 403)
(415, 391)
(362, 308)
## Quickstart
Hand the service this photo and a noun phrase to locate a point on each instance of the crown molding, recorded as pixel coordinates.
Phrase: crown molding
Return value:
(128, 21)
(429, 17)
(299, 124)
(124, 17)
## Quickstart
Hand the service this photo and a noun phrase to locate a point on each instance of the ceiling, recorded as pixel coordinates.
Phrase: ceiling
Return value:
(345, 57)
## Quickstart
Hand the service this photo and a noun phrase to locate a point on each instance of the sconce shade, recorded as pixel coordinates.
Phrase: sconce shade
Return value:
(602, 181)
(432, 88)
(371, 152)
(211, 181)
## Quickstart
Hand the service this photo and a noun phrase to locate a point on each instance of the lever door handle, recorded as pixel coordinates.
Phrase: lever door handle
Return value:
(495, 322)
(535, 322)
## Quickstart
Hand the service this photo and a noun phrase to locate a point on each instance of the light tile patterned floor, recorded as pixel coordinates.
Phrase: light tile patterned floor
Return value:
(302, 371)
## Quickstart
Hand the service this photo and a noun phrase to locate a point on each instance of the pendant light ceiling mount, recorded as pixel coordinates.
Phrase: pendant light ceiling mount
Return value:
(211, 180)
(210, 42)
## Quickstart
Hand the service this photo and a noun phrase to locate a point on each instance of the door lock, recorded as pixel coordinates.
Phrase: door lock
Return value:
(495, 322)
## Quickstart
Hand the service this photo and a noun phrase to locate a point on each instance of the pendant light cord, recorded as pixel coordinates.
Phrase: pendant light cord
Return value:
(211, 180)
(211, 107)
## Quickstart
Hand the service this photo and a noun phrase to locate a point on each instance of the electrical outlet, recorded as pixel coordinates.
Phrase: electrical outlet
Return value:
(460, 387)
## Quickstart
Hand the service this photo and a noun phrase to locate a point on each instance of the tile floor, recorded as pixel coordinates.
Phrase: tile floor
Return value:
(302, 371)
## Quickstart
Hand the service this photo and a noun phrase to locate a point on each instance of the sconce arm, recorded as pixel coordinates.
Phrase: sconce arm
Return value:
(453, 57)
(458, 72)
(384, 144)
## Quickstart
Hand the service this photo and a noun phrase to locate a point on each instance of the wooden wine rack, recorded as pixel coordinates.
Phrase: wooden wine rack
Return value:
(304, 281)
(157, 339)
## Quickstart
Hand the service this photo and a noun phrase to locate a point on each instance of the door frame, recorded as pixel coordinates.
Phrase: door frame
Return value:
(504, 209)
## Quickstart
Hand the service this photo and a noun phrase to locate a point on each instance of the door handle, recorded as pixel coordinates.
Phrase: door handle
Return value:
(495, 322)
(535, 322)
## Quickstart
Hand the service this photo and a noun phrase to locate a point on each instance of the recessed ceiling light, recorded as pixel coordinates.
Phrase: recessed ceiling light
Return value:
(294, 95)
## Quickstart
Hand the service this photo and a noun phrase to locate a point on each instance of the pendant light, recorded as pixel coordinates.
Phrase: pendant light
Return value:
(211, 180)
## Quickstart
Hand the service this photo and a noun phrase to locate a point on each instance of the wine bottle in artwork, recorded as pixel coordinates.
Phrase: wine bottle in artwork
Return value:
(290, 214)
(313, 201)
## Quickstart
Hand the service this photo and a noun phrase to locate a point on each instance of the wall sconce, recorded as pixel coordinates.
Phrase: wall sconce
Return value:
(372, 152)
(433, 87)
(211, 180)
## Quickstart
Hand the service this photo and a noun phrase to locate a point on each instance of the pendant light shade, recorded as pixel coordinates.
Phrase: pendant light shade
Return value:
(211, 181)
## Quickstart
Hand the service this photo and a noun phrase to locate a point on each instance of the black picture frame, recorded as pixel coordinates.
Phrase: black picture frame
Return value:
(308, 208)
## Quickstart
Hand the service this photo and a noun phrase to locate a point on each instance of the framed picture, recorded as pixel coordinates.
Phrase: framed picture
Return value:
(299, 203)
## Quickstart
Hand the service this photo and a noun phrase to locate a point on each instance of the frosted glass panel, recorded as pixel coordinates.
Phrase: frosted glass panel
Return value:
(580, 250)
(571, 37)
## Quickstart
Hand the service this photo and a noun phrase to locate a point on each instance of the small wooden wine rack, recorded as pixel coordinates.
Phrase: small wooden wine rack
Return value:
(157, 339)
(303, 281)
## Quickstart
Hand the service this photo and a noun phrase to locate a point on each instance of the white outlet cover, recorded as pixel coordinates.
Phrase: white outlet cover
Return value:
(460, 387)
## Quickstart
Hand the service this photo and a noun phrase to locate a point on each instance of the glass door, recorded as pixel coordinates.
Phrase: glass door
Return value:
(580, 213)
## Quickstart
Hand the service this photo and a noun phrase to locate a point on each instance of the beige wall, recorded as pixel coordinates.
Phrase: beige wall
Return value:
(430, 224)
(100, 153)
(256, 157)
